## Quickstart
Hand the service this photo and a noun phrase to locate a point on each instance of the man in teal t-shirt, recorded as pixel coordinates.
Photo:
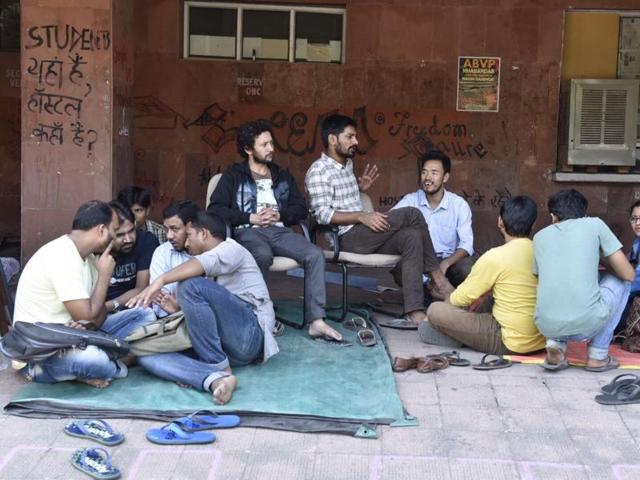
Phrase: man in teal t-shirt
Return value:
(575, 303)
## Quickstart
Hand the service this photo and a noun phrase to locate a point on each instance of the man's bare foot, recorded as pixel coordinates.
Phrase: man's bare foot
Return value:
(319, 328)
(417, 316)
(223, 388)
(555, 356)
(95, 382)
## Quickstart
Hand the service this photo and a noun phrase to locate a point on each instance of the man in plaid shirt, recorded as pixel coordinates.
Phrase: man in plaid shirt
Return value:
(334, 199)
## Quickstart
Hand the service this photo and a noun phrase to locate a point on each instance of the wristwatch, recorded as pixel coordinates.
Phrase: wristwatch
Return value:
(116, 307)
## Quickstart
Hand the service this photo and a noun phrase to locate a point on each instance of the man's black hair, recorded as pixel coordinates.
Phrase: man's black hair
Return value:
(335, 125)
(123, 212)
(211, 222)
(635, 204)
(131, 195)
(436, 155)
(567, 204)
(246, 135)
(518, 215)
(186, 210)
(91, 214)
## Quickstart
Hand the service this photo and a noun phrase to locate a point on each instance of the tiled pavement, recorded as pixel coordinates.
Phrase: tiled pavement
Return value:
(515, 423)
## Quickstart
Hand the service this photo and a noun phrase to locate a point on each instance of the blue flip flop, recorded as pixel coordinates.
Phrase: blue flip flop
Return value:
(95, 462)
(207, 420)
(173, 434)
(97, 430)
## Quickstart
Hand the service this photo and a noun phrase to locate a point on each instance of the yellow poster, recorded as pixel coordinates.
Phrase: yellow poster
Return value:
(478, 84)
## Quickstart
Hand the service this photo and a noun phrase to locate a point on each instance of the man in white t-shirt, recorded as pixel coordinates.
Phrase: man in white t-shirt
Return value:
(66, 283)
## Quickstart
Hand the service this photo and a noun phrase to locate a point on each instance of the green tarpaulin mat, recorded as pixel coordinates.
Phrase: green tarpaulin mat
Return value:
(309, 386)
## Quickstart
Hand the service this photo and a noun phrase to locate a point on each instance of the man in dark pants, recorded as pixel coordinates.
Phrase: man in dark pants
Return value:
(334, 197)
(261, 200)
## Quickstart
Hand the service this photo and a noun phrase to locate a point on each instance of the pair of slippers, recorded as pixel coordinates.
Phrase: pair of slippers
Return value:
(562, 362)
(492, 362)
(429, 363)
(402, 323)
(191, 430)
(622, 390)
(95, 462)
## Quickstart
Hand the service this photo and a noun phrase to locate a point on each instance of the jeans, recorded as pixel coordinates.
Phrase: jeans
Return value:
(265, 242)
(614, 294)
(91, 363)
(224, 332)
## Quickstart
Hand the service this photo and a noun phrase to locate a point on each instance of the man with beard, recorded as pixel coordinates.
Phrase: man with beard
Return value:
(448, 216)
(132, 250)
(176, 218)
(334, 198)
(66, 282)
(227, 309)
(261, 201)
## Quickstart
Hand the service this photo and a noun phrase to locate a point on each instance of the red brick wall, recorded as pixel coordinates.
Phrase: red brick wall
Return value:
(399, 78)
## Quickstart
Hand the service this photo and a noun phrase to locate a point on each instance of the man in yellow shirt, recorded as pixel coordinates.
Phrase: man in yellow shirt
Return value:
(507, 273)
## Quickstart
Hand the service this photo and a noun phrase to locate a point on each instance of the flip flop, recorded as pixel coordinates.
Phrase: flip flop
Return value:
(611, 364)
(624, 395)
(401, 364)
(355, 323)
(95, 462)
(207, 420)
(97, 430)
(555, 367)
(399, 323)
(620, 381)
(494, 364)
(454, 359)
(173, 434)
(278, 329)
(431, 363)
(366, 337)
(332, 341)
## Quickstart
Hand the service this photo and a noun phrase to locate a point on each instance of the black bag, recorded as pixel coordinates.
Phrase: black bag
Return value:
(35, 342)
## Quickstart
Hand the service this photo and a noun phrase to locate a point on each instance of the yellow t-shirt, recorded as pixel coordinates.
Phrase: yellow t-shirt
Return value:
(55, 274)
(507, 272)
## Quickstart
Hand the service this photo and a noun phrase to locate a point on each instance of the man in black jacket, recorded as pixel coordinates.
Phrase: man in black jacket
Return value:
(261, 201)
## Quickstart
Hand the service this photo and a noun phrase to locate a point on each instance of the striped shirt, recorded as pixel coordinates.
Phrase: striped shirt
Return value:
(332, 187)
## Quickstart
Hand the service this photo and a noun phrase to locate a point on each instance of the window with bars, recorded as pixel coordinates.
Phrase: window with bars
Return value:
(258, 32)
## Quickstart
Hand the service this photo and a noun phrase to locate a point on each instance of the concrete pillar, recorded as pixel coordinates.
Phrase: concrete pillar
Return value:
(67, 112)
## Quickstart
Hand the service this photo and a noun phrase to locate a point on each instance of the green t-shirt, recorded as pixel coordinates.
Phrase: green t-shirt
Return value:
(566, 261)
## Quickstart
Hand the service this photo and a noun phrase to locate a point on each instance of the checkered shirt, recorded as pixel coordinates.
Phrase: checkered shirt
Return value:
(332, 187)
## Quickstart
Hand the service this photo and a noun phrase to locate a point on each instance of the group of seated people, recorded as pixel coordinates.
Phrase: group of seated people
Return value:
(117, 270)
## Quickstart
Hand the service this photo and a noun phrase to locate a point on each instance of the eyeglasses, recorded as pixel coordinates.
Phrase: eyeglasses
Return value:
(634, 219)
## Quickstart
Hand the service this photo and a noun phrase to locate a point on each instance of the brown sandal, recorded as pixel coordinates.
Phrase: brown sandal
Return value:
(432, 363)
(401, 364)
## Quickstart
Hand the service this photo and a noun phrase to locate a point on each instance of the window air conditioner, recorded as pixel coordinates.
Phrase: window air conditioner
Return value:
(603, 122)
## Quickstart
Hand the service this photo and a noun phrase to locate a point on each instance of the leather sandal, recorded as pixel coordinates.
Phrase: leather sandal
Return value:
(401, 364)
(431, 364)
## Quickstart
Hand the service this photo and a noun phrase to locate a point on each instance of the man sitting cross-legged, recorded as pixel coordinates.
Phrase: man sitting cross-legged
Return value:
(334, 199)
(65, 283)
(575, 303)
(262, 201)
(229, 313)
(132, 250)
(506, 272)
(176, 218)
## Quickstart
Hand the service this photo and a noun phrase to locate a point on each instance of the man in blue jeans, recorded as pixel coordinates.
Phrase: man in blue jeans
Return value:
(66, 282)
(574, 302)
(229, 313)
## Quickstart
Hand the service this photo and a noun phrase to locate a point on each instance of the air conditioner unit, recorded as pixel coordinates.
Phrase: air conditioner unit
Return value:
(603, 125)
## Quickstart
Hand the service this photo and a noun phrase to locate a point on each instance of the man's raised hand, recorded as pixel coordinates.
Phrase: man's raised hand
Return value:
(369, 176)
(105, 263)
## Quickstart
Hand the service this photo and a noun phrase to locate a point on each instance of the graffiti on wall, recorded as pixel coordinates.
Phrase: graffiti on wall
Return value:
(62, 88)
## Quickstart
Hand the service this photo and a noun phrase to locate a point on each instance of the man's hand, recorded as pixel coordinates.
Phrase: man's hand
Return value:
(167, 302)
(74, 324)
(105, 263)
(144, 298)
(265, 217)
(376, 221)
(444, 266)
(368, 178)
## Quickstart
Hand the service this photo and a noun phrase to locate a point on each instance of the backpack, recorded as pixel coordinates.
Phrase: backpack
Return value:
(168, 334)
(35, 342)
(631, 333)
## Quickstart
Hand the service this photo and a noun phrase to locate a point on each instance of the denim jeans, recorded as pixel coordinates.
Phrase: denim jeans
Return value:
(91, 363)
(614, 293)
(224, 332)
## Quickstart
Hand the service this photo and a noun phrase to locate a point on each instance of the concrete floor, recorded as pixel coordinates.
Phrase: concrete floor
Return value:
(516, 423)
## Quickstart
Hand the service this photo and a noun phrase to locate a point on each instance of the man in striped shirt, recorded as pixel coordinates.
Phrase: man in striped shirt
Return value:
(334, 199)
